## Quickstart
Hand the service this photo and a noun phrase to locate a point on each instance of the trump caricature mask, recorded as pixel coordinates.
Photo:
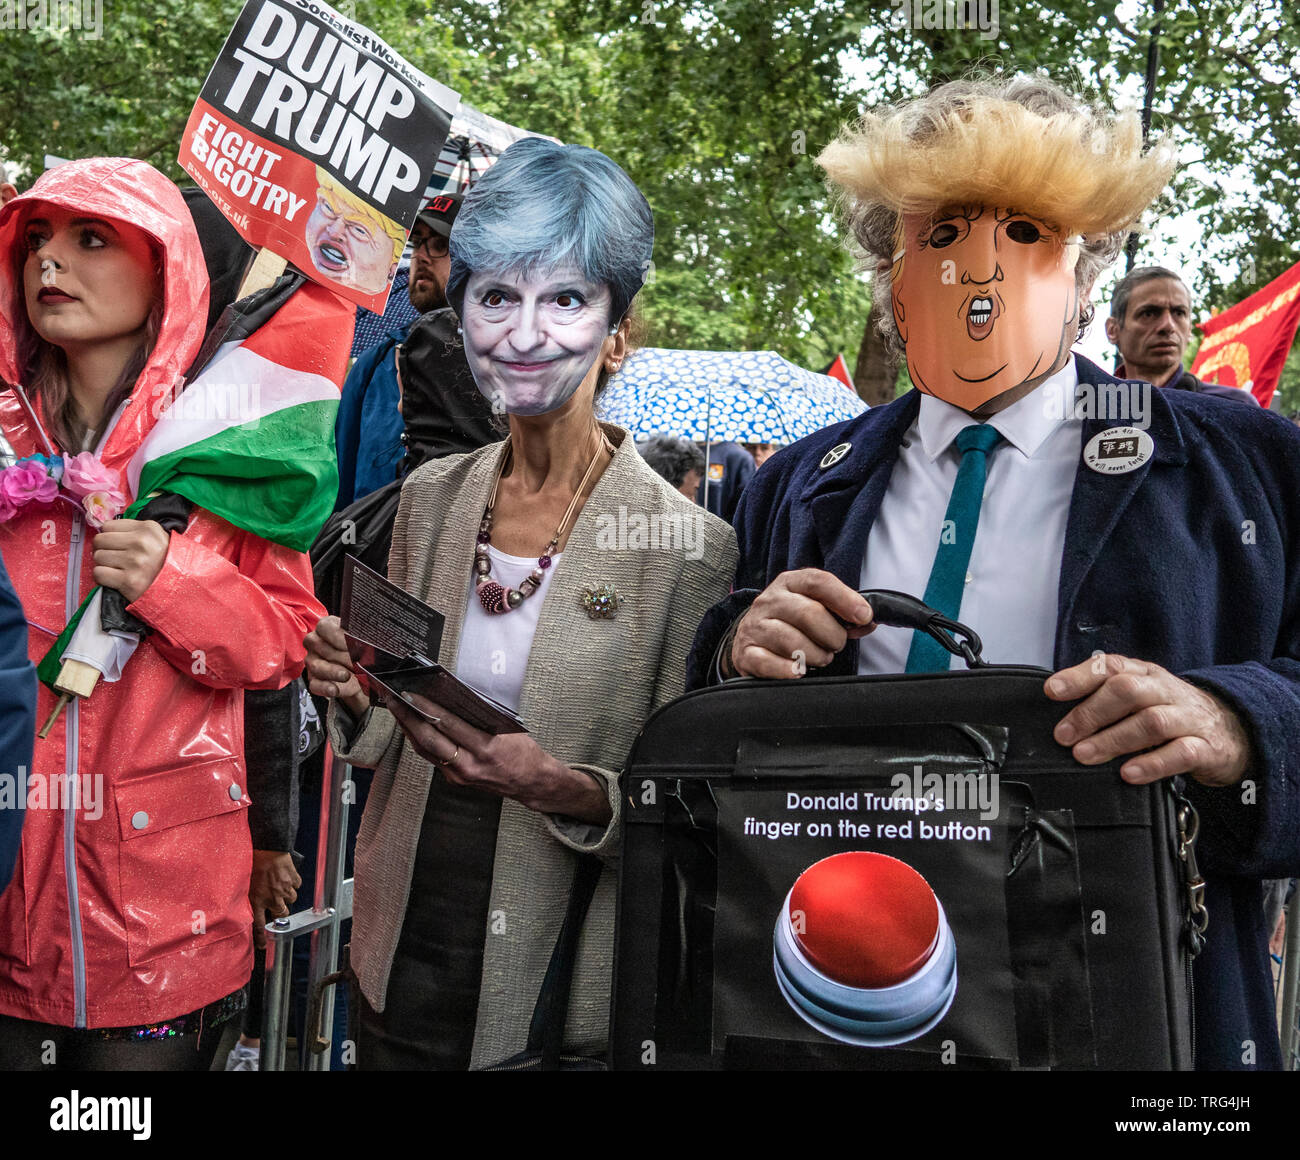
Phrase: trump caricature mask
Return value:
(985, 303)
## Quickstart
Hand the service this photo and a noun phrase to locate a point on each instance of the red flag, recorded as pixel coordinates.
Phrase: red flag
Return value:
(1247, 344)
(839, 369)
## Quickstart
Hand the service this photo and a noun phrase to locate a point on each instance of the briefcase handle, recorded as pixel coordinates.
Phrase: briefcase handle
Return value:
(900, 610)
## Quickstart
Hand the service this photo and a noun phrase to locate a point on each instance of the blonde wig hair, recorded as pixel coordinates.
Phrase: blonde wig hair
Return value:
(1021, 143)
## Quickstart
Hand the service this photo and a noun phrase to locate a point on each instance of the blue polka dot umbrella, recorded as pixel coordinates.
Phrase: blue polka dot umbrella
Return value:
(749, 396)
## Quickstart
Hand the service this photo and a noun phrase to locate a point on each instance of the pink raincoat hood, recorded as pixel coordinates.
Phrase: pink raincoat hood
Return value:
(121, 190)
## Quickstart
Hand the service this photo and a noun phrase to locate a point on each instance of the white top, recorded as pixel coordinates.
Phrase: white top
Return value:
(1015, 565)
(494, 646)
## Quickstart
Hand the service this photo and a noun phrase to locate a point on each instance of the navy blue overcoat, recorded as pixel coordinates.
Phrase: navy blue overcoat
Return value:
(1191, 561)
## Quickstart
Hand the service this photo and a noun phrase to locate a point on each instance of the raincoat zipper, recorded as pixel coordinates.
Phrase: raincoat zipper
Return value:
(72, 742)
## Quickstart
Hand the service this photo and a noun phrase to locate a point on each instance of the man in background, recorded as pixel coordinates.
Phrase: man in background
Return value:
(1151, 324)
(679, 461)
(761, 452)
(730, 468)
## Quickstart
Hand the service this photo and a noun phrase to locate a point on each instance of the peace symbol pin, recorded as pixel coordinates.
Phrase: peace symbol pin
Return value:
(834, 455)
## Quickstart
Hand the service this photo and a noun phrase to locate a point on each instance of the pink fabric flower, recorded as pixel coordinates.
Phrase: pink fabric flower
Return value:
(7, 509)
(102, 506)
(84, 475)
(26, 482)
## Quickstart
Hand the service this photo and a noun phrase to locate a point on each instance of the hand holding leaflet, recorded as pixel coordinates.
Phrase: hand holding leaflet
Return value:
(391, 636)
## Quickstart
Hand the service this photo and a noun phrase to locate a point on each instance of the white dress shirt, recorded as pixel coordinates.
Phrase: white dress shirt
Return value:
(1015, 565)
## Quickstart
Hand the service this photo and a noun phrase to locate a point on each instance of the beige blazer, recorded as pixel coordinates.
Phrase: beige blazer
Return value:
(588, 687)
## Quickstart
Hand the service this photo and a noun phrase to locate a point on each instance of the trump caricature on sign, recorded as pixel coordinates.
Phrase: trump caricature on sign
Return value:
(350, 242)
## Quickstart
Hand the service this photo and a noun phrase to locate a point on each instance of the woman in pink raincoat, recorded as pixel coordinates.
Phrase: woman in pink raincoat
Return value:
(125, 935)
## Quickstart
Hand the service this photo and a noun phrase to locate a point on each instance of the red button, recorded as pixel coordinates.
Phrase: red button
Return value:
(864, 919)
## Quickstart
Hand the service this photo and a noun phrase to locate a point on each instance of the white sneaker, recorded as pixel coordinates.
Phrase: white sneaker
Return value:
(243, 1058)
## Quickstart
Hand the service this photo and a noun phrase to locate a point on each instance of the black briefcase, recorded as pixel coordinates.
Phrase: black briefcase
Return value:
(901, 872)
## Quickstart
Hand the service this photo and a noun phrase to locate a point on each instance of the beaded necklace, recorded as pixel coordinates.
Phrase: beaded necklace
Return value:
(495, 597)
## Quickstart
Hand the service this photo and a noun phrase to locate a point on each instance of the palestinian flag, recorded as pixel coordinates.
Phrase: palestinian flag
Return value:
(249, 437)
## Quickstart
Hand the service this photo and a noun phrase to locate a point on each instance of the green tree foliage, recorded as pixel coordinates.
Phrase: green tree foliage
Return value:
(718, 110)
(126, 92)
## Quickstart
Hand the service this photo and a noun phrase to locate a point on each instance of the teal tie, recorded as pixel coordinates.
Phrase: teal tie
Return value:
(948, 576)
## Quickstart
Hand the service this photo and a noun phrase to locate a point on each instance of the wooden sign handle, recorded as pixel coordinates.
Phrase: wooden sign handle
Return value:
(75, 679)
(266, 268)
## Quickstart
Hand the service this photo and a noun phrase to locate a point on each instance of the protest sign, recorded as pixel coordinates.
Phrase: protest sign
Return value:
(315, 139)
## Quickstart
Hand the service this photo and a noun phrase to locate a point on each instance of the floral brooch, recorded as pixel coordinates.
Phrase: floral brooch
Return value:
(601, 602)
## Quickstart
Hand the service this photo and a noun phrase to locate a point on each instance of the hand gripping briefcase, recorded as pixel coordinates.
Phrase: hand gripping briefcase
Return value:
(901, 872)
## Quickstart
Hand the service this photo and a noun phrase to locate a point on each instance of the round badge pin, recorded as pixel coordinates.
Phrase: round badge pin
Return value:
(1118, 450)
(834, 455)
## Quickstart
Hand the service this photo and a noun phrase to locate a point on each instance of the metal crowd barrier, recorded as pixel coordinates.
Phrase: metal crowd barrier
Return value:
(1289, 986)
(331, 907)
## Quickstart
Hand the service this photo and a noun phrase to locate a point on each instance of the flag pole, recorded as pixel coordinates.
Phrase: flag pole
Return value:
(1153, 67)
